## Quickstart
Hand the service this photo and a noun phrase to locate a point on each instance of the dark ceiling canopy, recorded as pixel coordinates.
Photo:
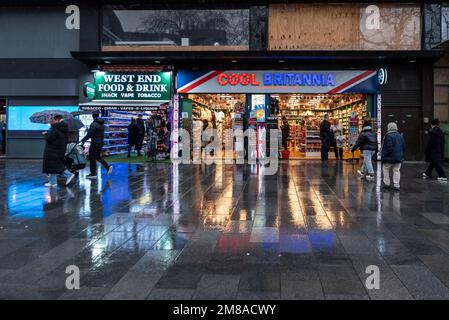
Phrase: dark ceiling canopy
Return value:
(248, 58)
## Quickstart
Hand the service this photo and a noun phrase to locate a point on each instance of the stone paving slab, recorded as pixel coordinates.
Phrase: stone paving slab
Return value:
(223, 232)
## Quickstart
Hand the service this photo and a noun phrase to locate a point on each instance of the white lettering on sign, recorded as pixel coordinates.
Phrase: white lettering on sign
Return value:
(154, 78)
(119, 77)
(111, 87)
(151, 87)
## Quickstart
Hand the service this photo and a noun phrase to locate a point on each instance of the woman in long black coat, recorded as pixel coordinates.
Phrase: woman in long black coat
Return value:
(55, 149)
(435, 152)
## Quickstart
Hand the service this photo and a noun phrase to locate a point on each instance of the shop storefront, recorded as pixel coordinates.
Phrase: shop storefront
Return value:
(297, 100)
(123, 97)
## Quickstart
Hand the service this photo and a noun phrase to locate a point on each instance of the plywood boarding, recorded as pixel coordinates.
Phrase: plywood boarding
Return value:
(343, 27)
(400, 28)
(313, 27)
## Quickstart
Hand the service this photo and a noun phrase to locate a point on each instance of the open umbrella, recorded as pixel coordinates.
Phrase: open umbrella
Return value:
(74, 124)
(47, 116)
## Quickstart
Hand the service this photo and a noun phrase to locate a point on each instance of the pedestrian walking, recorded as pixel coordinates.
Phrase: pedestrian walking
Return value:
(133, 132)
(326, 137)
(285, 129)
(367, 143)
(339, 139)
(96, 136)
(435, 152)
(392, 156)
(141, 134)
(54, 152)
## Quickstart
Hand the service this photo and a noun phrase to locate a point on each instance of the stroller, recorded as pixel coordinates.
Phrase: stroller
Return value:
(152, 145)
(74, 158)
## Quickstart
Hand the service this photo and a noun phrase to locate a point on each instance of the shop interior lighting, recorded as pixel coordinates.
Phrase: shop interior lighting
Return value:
(96, 69)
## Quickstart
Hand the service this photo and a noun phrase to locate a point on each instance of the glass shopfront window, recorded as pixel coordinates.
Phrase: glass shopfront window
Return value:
(445, 22)
(178, 29)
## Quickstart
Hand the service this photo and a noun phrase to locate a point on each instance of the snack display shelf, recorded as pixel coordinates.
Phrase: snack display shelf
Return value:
(117, 125)
(115, 146)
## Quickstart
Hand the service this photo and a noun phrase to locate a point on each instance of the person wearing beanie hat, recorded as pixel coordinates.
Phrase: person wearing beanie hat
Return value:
(435, 152)
(392, 156)
(435, 122)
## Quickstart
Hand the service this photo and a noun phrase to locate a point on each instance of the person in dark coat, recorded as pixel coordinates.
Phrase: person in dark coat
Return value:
(367, 143)
(285, 133)
(435, 152)
(140, 135)
(96, 136)
(326, 137)
(392, 156)
(133, 132)
(55, 148)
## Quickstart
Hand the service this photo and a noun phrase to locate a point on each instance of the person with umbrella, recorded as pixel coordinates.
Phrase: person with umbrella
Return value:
(96, 136)
(55, 148)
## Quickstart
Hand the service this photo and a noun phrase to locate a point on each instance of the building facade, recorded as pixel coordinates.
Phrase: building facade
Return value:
(383, 60)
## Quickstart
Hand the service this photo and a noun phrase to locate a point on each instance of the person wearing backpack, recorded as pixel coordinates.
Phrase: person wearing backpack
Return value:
(392, 156)
(367, 143)
(96, 136)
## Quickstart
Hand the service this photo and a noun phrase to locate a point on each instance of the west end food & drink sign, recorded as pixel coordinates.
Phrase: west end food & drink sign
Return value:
(129, 86)
(276, 81)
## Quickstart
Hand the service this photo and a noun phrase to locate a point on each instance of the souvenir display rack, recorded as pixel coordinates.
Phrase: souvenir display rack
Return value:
(304, 114)
(220, 112)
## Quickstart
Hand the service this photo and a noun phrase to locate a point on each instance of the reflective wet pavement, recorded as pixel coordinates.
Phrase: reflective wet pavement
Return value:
(161, 231)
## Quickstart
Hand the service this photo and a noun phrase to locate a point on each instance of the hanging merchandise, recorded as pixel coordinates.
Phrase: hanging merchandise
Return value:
(353, 128)
(304, 114)
(220, 112)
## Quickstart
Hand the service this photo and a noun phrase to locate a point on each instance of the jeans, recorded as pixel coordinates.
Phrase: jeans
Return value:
(94, 156)
(367, 165)
(54, 177)
(396, 173)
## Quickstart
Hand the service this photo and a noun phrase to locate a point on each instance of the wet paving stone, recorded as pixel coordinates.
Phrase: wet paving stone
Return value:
(165, 231)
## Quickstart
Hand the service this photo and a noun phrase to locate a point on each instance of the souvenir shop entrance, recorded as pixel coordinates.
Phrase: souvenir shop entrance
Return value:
(294, 102)
(300, 115)
(222, 112)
